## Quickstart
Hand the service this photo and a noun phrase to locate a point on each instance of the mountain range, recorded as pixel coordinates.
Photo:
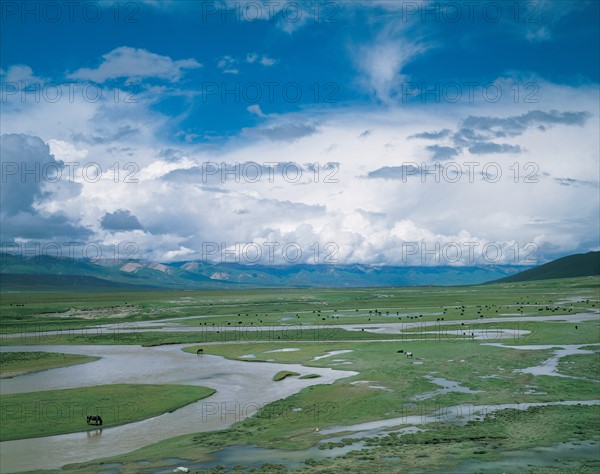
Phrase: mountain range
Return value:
(46, 273)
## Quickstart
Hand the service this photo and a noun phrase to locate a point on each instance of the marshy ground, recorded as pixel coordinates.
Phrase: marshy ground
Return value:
(503, 378)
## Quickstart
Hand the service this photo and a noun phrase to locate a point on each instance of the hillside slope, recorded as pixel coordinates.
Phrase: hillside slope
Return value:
(578, 265)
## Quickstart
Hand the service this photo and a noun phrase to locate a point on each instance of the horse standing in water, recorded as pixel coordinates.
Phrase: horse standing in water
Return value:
(94, 419)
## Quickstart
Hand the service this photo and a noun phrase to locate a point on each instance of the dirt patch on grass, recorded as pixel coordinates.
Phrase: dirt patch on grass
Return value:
(115, 312)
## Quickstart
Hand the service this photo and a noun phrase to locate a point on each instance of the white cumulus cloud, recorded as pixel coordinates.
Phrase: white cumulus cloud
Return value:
(127, 62)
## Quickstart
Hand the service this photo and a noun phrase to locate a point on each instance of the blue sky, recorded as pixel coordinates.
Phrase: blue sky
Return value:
(388, 99)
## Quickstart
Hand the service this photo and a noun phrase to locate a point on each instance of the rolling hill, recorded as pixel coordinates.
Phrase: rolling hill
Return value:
(578, 265)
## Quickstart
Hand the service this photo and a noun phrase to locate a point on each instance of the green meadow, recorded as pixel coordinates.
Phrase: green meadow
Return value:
(67, 311)
(445, 371)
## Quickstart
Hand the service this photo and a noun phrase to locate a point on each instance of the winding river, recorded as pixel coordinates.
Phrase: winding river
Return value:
(242, 387)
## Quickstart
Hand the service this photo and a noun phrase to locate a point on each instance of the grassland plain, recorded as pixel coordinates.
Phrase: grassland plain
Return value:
(442, 446)
(444, 372)
(52, 311)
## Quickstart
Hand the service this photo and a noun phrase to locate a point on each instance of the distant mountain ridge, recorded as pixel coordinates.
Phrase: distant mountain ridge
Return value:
(36, 282)
(578, 265)
(19, 272)
(46, 273)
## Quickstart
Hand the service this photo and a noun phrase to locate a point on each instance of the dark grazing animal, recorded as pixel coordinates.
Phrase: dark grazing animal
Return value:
(94, 420)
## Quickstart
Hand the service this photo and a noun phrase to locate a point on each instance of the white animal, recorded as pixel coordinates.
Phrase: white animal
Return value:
(181, 469)
(409, 354)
